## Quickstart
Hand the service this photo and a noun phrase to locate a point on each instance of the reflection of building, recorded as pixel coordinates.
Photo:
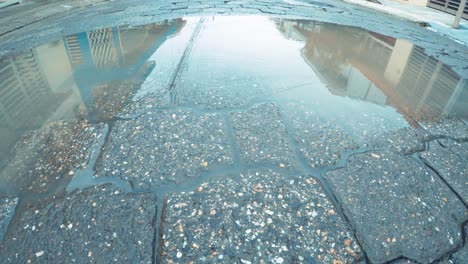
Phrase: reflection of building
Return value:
(24, 96)
(53, 80)
(101, 56)
(433, 86)
(380, 69)
(23, 88)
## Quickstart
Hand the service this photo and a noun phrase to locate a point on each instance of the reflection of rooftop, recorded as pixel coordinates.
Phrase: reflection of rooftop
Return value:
(379, 69)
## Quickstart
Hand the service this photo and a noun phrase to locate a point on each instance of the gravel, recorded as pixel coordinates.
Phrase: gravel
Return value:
(49, 156)
(261, 136)
(450, 165)
(259, 216)
(98, 225)
(165, 146)
(398, 207)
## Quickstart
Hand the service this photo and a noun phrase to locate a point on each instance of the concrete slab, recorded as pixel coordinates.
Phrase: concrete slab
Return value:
(165, 146)
(398, 207)
(450, 165)
(450, 127)
(319, 141)
(97, 225)
(262, 137)
(259, 216)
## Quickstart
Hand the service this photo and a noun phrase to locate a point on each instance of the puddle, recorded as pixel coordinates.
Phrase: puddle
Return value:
(361, 82)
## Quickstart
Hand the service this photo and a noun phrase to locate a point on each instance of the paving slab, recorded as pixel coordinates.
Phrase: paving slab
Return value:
(165, 146)
(404, 141)
(261, 136)
(97, 225)
(139, 106)
(460, 256)
(50, 155)
(449, 165)
(219, 90)
(318, 140)
(460, 148)
(259, 216)
(447, 127)
(7, 209)
(370, 129)
(398, 207)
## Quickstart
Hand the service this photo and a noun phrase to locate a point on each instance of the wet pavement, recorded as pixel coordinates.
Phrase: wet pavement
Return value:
(165, 146)
(7, 210)
(421, 217)
(258, 216)
(97, 225)
(50, 156)
(246, 139)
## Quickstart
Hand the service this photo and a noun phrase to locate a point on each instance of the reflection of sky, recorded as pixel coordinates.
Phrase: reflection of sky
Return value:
(252, 46)
(166, 58)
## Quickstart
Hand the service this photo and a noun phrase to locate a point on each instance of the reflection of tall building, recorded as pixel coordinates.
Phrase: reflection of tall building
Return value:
(53, 80)
(74, 50)
(433, 86)
(24, 95)
(380, 69)
(101, 56)
(23, 89)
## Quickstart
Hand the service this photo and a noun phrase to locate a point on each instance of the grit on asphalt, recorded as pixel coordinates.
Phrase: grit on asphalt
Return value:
(229, 132)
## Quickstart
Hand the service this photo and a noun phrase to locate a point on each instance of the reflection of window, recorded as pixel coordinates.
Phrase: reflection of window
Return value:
(102, 47)
(74, 50)
(381, 69)
(428, 82)
(380, 52)
(22, 90)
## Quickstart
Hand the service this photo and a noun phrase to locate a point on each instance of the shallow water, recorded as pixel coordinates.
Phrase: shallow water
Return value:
(363, 83)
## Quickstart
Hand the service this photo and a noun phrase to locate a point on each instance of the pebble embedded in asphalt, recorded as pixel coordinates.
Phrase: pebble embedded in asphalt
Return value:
(110, 99)
(460, 256)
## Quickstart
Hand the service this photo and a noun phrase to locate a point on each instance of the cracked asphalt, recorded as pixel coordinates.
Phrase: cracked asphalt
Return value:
(217, 153)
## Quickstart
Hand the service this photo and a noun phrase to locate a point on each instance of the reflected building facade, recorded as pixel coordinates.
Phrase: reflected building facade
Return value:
(23, 88)
(64, 79)
(383, 70)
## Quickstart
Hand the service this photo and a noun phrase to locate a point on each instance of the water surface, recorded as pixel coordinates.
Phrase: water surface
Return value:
(365, 83)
